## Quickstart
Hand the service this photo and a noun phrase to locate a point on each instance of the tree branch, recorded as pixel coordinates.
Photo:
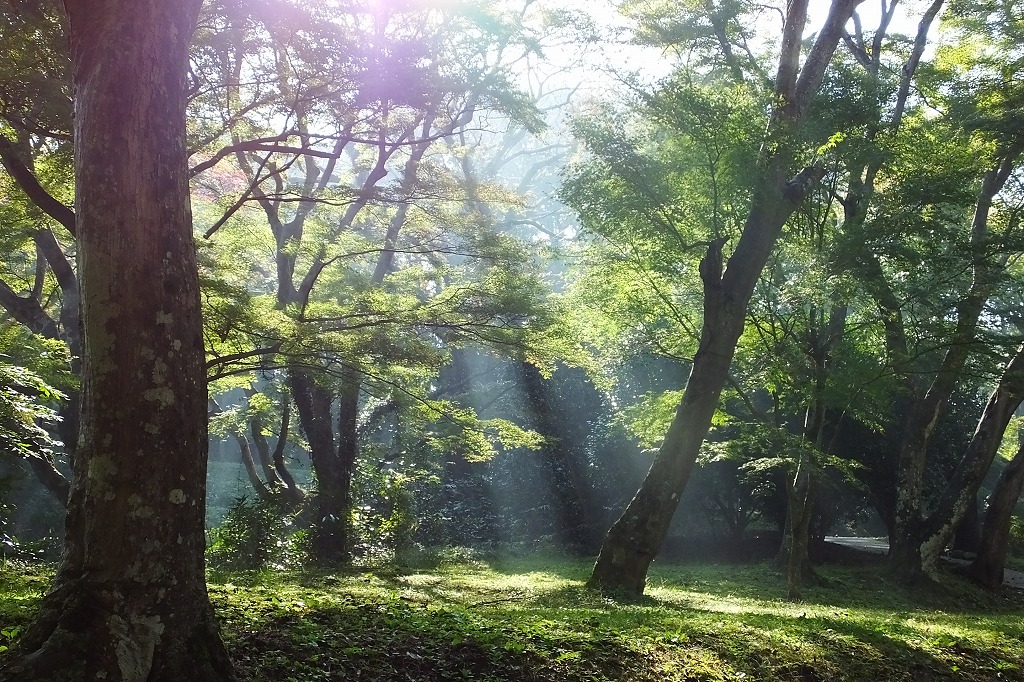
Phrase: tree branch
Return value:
(22, 173)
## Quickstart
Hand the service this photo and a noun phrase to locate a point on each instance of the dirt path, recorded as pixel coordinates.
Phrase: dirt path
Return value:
(880, 546)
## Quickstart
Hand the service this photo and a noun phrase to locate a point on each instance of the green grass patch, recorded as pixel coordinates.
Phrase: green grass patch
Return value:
(529, 618)
(22, 585)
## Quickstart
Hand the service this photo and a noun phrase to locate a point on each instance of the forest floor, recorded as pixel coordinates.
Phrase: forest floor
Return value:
(465, 617)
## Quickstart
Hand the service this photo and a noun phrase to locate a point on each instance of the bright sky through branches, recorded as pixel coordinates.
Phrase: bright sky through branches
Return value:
(616, 56)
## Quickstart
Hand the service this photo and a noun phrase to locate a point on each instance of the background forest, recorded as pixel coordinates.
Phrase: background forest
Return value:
(459, 259)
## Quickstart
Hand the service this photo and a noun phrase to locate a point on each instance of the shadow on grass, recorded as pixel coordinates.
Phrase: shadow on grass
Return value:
(571, 634)
(391, 640)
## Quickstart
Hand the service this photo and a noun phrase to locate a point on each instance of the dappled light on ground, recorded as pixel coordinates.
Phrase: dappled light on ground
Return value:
(530, 618)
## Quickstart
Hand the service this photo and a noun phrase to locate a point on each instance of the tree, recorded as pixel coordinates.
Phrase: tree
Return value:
(40, 288)
(30, 367)
(952, 178)
(378, 267)
(636, 537)
(987, 567)
(129, 600)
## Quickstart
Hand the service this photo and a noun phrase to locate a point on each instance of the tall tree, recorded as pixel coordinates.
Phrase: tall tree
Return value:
(987, 567)
(36, 224)
(636, 537)
(931, 337)
(377, 266)
(129, 601)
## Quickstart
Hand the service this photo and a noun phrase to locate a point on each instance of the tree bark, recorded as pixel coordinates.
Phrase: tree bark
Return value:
(988, 566)
(313, 403)
(262, 491)
(800, 488)
(348, 450)
(800, 495)
(50, 476)
(967, 537)
(129, 601)
(962, 489)
(295, 493)
(913, 547)
(636, 537)
(274, 480)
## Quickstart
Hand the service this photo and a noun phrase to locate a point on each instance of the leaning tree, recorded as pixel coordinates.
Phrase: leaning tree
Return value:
(780, 186)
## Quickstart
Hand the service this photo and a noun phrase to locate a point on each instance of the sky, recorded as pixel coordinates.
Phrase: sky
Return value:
(908, 14)
(651, 63)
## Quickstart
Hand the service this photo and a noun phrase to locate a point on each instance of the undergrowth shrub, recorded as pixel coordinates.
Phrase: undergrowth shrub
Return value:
(14, 545)
(256, 534)
(1016, 547)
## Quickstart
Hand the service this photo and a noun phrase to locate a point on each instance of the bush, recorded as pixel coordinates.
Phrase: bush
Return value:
(256, 534)
(1016, 547)
(20, 541)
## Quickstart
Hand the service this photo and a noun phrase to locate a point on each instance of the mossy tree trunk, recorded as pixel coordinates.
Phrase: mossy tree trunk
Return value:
(636, 537)
(129, 601)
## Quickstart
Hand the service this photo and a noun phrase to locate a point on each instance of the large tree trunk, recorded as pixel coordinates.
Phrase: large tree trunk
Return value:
(962, 489)
(636, 537)
(914, 546)
(330, 529)
(967, 537)
(129, 600)
(988, 566)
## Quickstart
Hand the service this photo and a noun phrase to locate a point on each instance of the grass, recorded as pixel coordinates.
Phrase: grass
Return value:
(529, 618)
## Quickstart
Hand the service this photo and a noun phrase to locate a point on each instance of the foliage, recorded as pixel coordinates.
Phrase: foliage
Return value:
(1017, 537)
(25, 411)
(385, 516)
(10, 546)
(22, 585)
(255, 534)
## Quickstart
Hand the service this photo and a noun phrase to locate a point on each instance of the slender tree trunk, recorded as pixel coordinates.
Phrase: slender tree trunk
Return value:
(988, 566)
(29, 312)
(50, 476)
(129, 600)
(636, 537)
(800, 488)
(274, 480)
(801, 504)
(295, 493)
(348, 449)
(915, 545)
(262, 491)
